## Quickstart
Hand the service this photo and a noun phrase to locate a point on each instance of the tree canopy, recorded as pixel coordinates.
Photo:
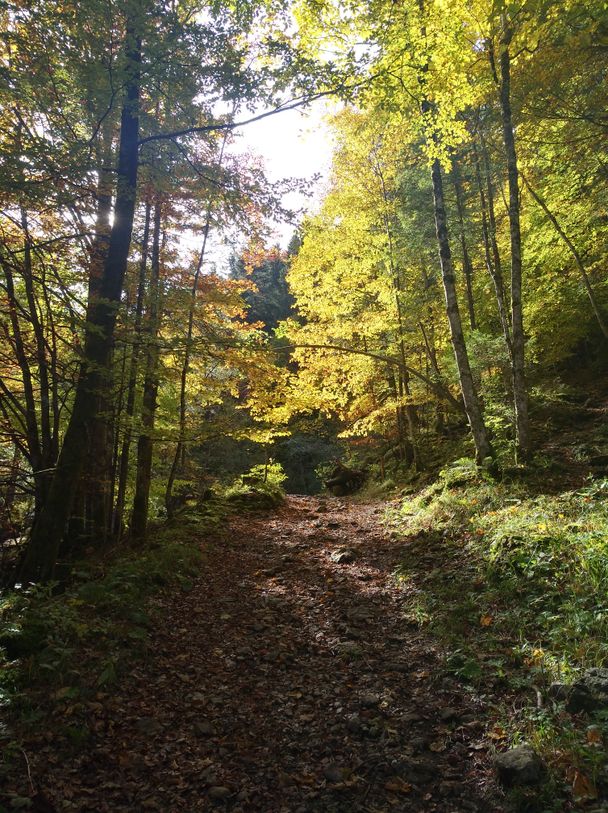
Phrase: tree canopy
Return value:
(457, 256)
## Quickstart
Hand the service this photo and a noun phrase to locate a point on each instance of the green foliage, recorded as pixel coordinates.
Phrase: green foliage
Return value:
(84, 636)
(517, 600)
(271, 473)
(259, 489)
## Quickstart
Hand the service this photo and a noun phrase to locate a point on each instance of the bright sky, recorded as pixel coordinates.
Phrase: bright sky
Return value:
(293, 144)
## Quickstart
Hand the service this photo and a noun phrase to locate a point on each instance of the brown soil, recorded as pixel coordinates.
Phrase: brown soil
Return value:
(284, 681)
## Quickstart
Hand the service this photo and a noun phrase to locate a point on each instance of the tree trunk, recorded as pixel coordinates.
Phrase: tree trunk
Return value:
(125, 451)
(44, 399)
(141, 499)
(179, 449)
(467, 266)
(26, 412)
(99, 463)
(43, 548)
(492, 257)
(472, 405)
(520, 391)
(409, 416)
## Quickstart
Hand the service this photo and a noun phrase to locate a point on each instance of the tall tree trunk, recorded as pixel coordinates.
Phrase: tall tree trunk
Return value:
(141, 499)
(492, 257)
(467, 266)
(117, 415)
(472, 404)
(125, 450)
(179, 449)
(44, 399)
(520, 391)
(99, 463)
(48, 531)
(52, 346)
(26, 413)
(575, 253)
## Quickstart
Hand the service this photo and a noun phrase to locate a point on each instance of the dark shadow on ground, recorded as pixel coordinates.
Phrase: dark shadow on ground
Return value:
(285, 681)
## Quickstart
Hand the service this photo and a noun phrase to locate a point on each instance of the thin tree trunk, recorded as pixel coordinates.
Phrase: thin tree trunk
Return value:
(34, 434)
(28, 416)
(492, 228)
(520, 391)
(116, 419)
(180, 449)
(43, 548)
(467, 266)
(490, 248)
(40, 344)
(574, 251)
(431, 359)
(472, 404)
(125, 451)
(409, 413)
(53, 370)
(143, 477)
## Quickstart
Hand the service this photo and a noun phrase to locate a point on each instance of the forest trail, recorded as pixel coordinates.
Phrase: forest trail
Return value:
(286, 681)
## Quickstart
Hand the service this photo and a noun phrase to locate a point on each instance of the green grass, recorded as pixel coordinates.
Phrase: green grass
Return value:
(515, 587)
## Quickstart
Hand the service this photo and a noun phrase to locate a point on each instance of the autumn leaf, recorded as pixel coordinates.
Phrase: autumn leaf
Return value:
(397, 785)
(583, 787)
(594, 736)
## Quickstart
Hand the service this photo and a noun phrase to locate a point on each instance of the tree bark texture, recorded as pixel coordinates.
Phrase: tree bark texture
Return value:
(467, 266)
(467, 384)
(125, 449)
(42, 551)
(143, 475)
(520, 391)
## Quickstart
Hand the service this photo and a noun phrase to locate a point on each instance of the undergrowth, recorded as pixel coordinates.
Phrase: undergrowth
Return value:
(63, 647)
(60, 649)
(516, 589)
(260, 488)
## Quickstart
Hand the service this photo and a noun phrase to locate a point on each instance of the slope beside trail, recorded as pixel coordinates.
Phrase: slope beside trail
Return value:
(285, 681)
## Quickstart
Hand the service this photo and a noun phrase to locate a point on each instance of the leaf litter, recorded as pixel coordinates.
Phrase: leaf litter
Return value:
(287, 679)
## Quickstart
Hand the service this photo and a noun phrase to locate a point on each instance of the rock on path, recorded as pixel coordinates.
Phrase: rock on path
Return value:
(287, 680)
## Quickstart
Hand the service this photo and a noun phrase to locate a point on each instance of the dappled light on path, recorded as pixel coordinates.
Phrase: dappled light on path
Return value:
(288, 679)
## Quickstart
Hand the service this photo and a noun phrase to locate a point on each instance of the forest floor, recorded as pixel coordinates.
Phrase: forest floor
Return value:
(292, 678)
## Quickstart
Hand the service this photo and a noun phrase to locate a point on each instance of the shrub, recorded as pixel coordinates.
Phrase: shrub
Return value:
(260, 488)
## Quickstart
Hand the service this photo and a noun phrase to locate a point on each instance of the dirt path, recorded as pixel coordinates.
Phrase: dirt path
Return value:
(286, 681)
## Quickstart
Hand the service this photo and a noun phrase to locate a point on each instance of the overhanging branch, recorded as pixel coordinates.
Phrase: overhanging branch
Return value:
(293, 104)
(440, 390)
